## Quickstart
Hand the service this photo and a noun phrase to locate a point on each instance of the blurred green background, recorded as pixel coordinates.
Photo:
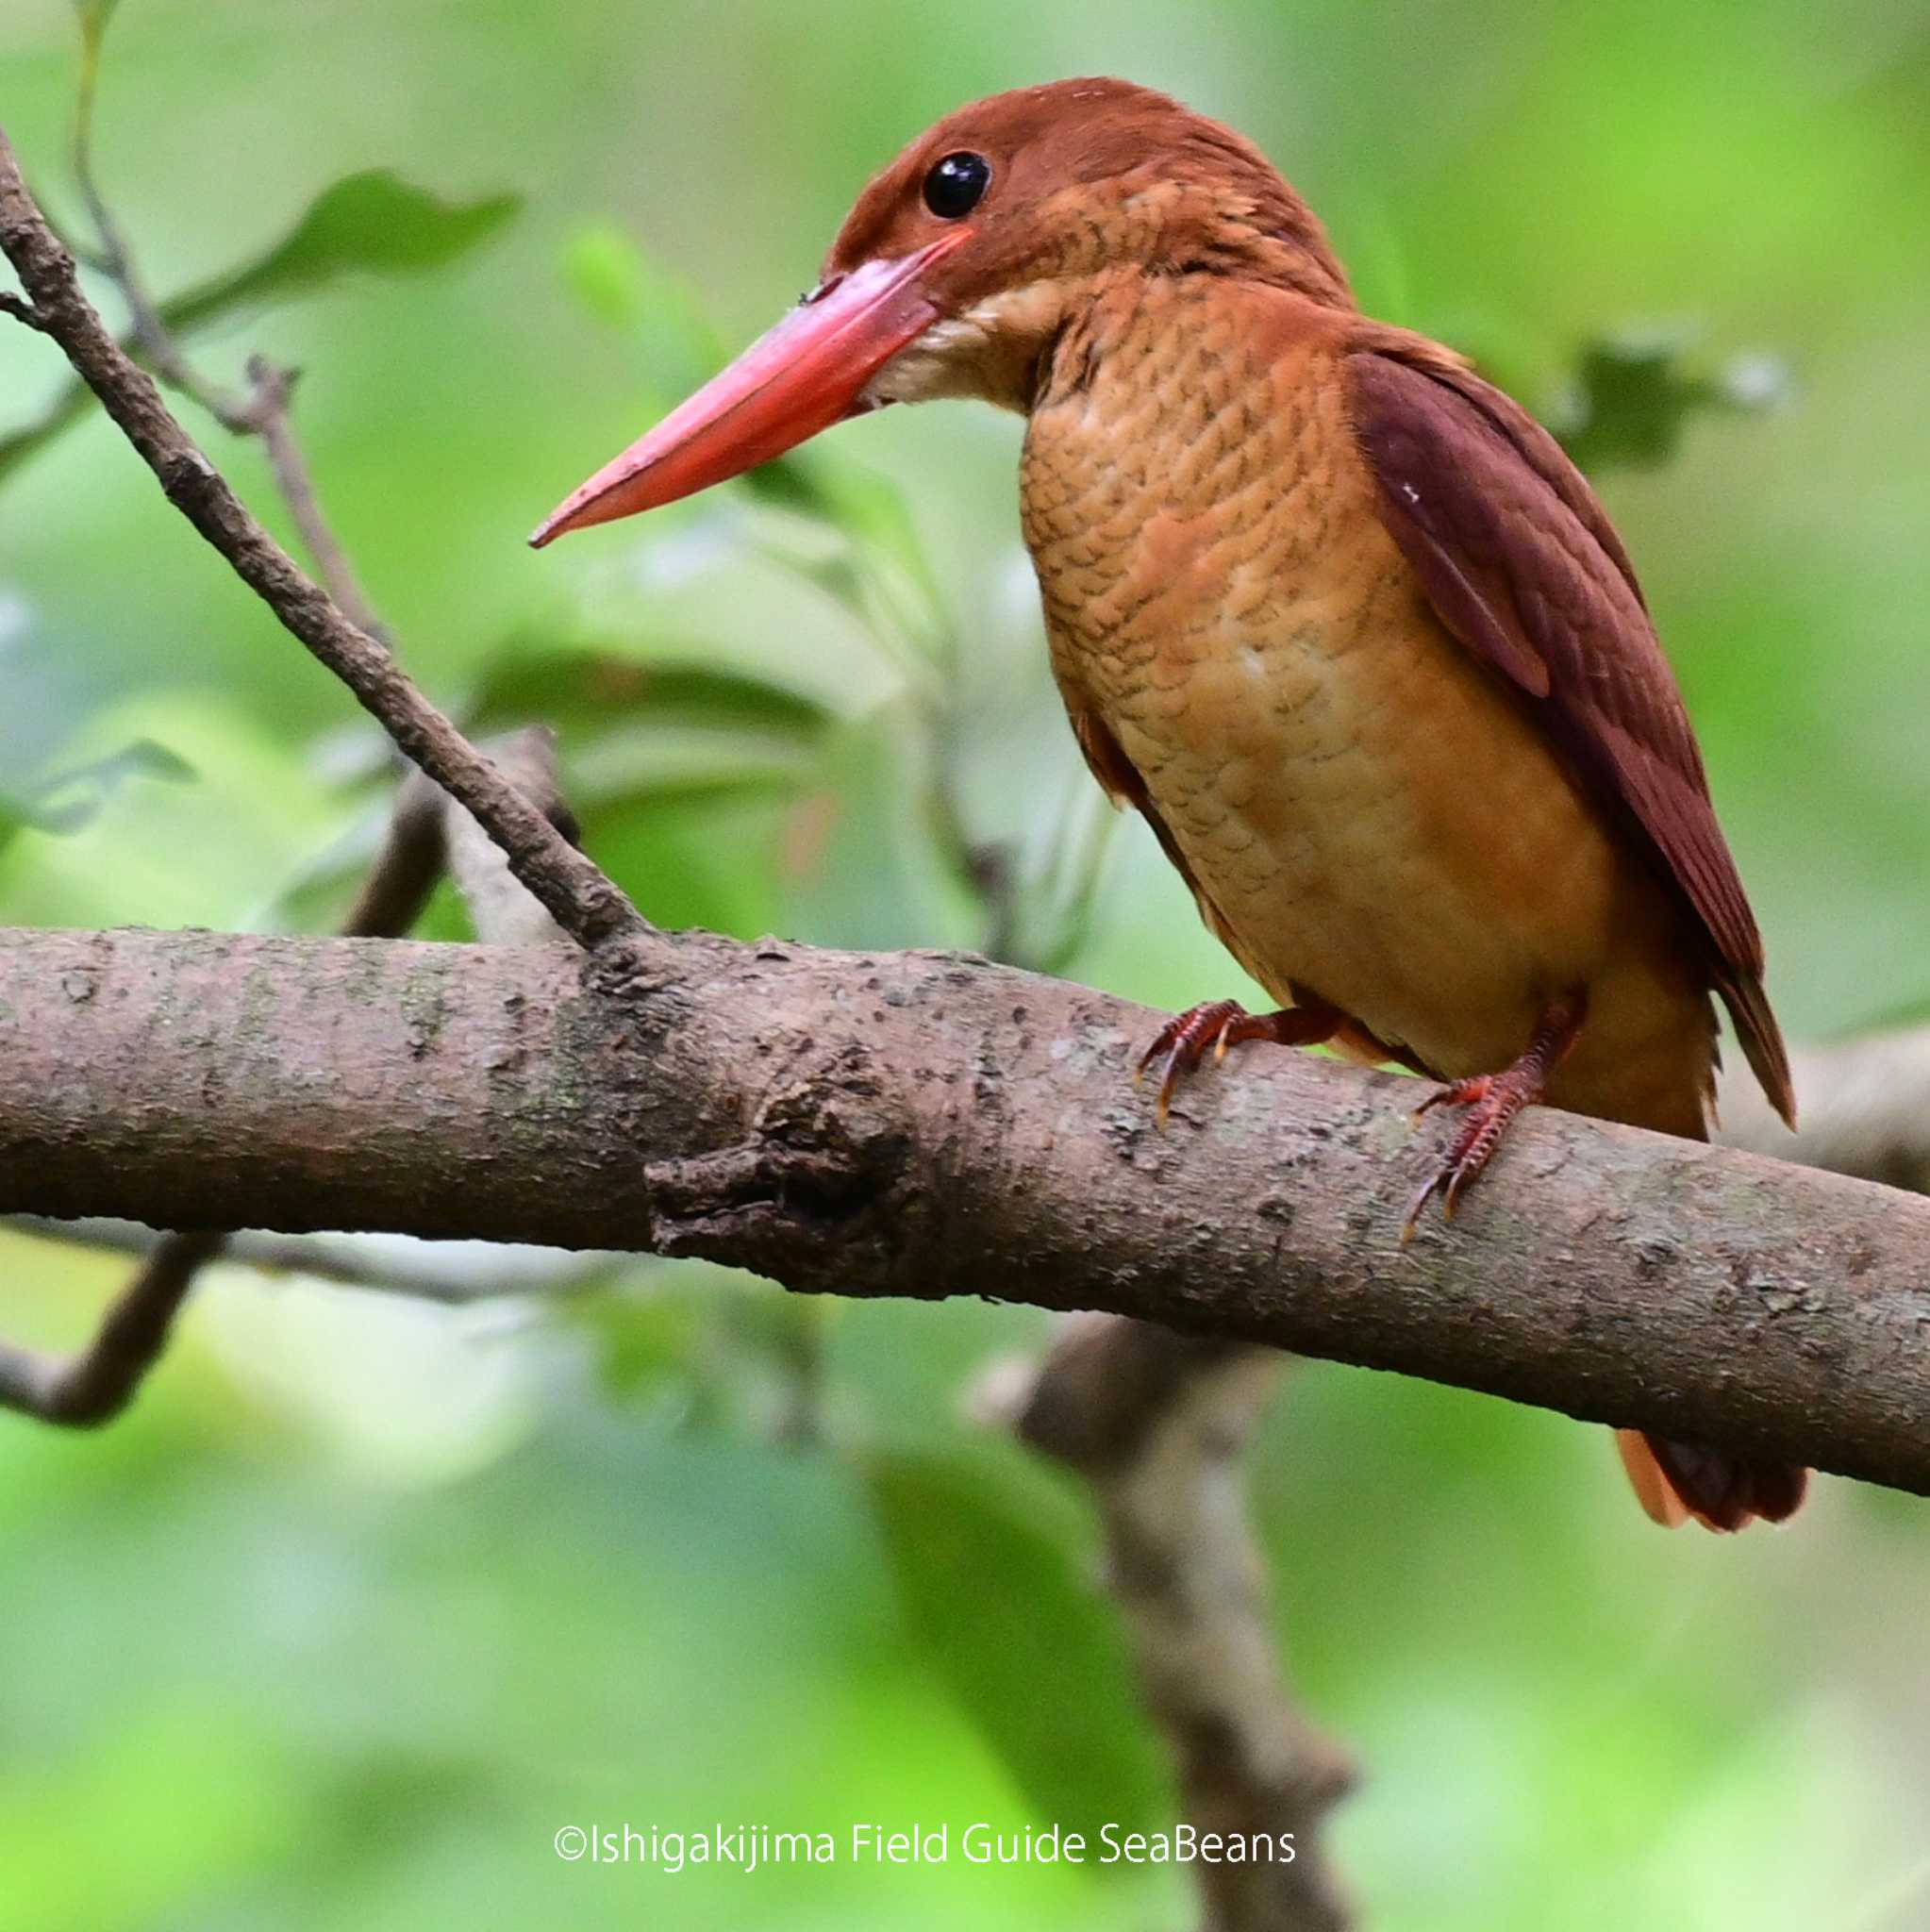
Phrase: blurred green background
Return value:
(370, 1595)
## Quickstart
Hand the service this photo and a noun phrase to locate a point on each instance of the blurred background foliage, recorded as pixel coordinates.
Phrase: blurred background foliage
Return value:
(370, 1595)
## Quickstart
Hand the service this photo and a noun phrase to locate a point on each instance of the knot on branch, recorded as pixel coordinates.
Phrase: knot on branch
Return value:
(821, 1177)
(632, 968)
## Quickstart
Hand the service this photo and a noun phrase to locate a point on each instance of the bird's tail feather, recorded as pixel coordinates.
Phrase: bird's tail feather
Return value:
(1674, 1481)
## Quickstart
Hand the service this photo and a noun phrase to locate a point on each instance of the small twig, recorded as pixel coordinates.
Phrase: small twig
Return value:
(21, 310)
(110, 255)
(268, 414)
(1157, 1424)
(427, 831)
(588, 906)
(263, 412)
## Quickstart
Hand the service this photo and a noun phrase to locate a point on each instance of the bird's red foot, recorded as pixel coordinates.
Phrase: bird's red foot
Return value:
(1184, 1039)
(1492, 1101)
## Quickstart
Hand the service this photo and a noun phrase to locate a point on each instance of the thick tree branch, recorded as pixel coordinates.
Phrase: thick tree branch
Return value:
(585, 903)
(925, 1125)
(1882, 1133)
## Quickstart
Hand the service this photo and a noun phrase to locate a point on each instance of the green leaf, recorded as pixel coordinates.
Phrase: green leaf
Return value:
(604, 269)
(1009, 1621)
(694, 860)
(70, 800)
(579, 685)
(647, 1340)
(630, 289)
(1633, 396)
(634, 732)
(367, 223)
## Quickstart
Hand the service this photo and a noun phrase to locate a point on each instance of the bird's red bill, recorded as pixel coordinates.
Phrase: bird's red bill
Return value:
(802, 376)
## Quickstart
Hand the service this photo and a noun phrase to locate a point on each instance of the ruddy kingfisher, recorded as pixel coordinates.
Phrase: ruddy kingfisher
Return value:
(1335, 616)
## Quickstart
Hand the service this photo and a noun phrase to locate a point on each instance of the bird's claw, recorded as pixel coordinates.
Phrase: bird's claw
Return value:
(1184, 1041)
(1492, 1101)
(1182, 1045)
(1455, 1093)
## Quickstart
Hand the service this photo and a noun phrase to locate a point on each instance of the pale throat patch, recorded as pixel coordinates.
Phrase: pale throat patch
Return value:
(986, 353)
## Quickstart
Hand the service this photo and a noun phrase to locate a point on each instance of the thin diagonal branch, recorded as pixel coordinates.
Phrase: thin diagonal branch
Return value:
(456, 1273)
(582, 899)
(264, 411)
(269, 415)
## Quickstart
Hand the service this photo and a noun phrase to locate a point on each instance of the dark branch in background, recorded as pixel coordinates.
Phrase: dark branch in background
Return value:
(427, 831)
(1159, 1424)
(95, 1383)
(430, 834)
(452, 1272)
(925, 1125)
(1865, 1109)
(581, 898)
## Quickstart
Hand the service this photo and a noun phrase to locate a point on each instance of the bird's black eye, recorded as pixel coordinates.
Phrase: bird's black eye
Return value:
(956, 184)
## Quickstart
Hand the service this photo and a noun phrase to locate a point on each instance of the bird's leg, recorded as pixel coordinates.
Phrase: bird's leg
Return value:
(1492, 1101)
(1220, 1024)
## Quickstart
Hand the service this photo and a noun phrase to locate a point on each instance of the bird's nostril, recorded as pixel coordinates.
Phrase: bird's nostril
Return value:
(819, 293)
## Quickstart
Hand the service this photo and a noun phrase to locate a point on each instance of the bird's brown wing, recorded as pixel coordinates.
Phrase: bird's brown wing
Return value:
(1523, 566)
